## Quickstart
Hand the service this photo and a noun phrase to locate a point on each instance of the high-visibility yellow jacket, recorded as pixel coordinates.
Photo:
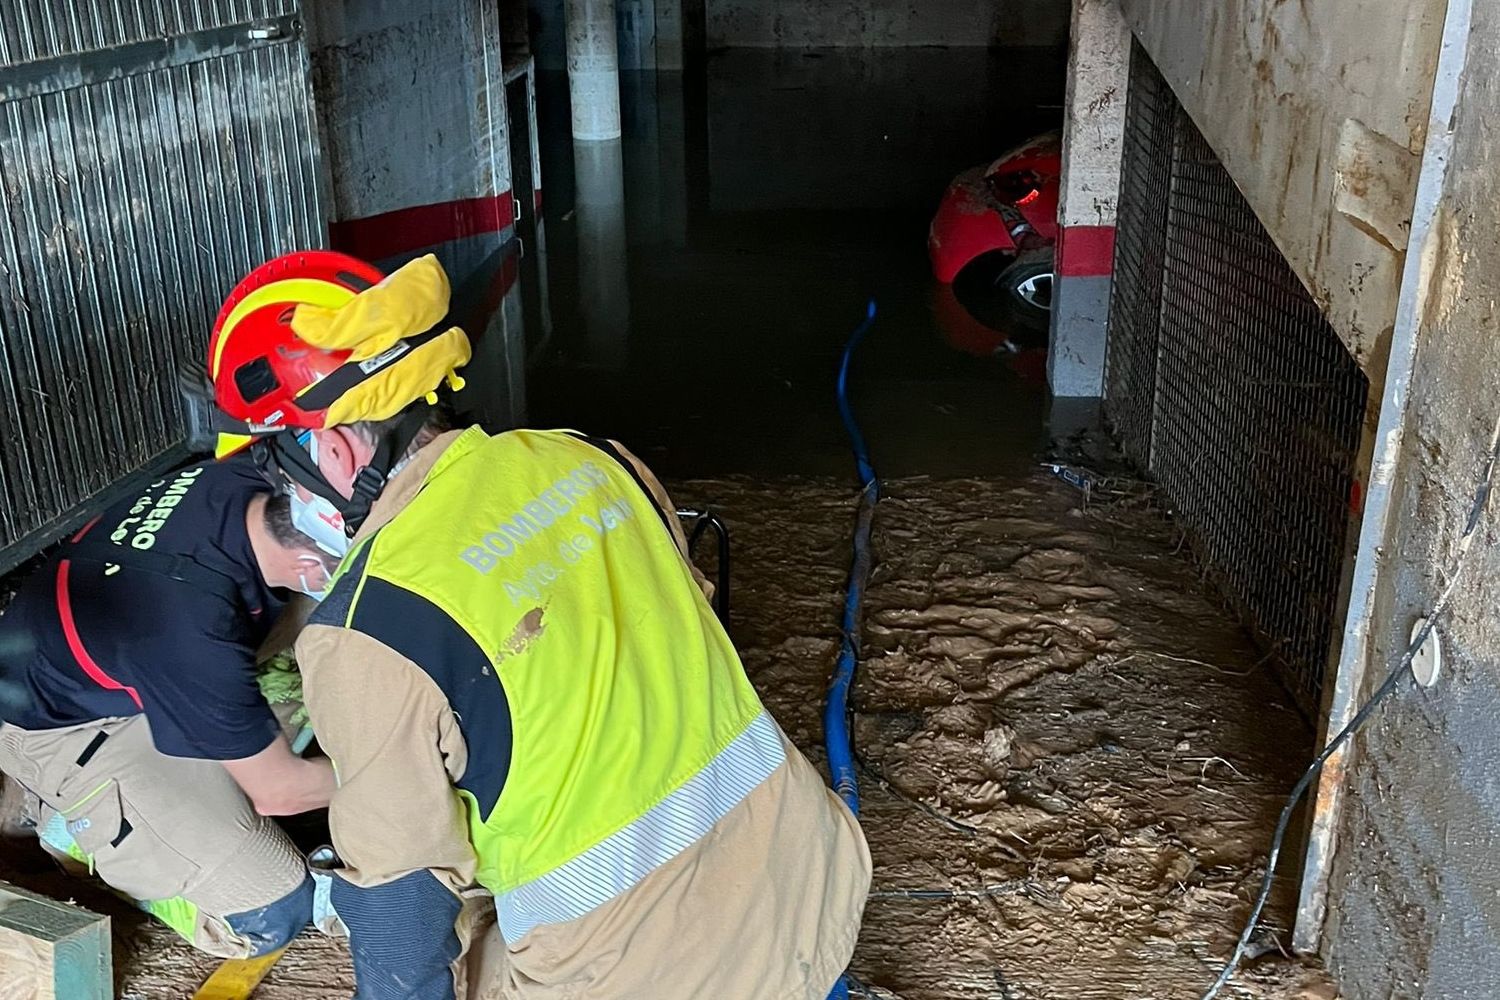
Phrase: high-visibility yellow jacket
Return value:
(536, 582)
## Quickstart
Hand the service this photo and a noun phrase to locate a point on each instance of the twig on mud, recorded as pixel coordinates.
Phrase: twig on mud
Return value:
(1205, 761)
(885, 784)
(1014, 887)
(934, 813)
(1181, 541)
(1204, 663)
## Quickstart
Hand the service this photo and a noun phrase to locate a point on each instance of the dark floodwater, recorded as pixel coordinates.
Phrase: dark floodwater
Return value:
(706, 271)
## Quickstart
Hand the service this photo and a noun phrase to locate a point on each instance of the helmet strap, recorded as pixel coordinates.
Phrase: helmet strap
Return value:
(294, 461)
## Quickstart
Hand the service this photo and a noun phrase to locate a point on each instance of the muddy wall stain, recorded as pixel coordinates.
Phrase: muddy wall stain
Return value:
(1318, 112)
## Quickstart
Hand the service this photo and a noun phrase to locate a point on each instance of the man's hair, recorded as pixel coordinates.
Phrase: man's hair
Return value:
(440, 418)
(278, 521)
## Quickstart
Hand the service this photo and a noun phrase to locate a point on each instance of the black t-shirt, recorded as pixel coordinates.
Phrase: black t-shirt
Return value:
(86, 639)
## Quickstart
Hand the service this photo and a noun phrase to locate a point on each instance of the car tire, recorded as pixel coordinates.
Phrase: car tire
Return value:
(1002, 291)
(1024, 291)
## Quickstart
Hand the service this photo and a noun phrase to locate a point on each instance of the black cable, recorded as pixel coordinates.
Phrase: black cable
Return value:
(912, 800)
(979, 892)
(1363, 716)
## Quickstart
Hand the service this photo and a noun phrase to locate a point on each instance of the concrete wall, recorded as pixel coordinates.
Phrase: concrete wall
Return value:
(413, 119)
(1317, 110)
(878, 23)
(652, 32)
(1415, 908)
(409, 101)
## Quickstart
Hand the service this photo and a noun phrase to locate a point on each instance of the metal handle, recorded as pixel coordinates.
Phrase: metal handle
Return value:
(702, 521)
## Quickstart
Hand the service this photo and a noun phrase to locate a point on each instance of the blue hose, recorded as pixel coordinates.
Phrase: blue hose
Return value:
(836, 709)
(856, 437)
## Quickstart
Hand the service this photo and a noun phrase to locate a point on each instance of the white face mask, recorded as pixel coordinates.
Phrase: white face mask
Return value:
(316, 517)
(321, 521)
(309, 571)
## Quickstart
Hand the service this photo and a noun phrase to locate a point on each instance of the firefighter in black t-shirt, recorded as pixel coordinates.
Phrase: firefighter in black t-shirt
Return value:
(129, 705)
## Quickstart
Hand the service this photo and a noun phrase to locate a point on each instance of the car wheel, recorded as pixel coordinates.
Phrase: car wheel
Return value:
(1010, 293)
(1024, 291)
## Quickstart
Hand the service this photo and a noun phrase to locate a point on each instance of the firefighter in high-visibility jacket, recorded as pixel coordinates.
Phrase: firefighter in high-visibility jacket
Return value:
(526, 695)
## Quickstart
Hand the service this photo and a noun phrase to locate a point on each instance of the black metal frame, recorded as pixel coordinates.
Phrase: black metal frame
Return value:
(1227, 383)
(702, 521)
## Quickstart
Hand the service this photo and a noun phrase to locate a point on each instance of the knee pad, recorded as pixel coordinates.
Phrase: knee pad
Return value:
(269, 928)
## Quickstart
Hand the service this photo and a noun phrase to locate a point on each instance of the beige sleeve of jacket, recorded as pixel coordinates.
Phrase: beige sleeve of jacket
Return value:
(397, 750)
(659, 494)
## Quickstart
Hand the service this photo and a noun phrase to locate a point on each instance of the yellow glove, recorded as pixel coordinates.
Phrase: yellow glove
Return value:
(416, 374)
(411, 300)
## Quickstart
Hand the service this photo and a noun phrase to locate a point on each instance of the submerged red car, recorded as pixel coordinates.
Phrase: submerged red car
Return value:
(993, 237)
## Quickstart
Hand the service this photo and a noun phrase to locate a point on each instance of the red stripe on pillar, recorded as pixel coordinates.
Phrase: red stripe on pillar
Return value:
(501, 282)
(1085, 251)
(420, 226)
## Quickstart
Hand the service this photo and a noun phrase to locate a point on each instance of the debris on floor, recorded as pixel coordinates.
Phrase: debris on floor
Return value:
(1072, 759)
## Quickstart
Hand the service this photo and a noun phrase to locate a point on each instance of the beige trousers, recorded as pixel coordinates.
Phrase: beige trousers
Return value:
(161, 828)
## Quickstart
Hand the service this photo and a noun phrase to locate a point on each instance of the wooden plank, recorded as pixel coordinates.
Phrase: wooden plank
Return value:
(51, 950)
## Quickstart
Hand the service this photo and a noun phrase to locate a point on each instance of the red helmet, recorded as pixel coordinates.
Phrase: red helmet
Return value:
(260, 369)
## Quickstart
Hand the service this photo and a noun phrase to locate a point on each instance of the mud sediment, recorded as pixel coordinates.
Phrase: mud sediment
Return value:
(1061, 730)
(1072, 759)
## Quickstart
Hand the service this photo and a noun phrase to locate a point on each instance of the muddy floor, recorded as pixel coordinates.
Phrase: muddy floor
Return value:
(1072, 759)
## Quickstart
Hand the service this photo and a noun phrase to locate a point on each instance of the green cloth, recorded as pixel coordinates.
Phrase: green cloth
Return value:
(281, 683)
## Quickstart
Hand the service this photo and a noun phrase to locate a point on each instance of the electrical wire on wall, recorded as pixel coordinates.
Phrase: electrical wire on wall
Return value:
(1361, 718)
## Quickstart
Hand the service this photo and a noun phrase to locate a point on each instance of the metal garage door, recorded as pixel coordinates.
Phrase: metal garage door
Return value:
(150, 153)
(1227, 384)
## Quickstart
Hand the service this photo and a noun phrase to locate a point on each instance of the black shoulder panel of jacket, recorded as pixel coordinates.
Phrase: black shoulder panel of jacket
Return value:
(423, 633)
(607, 446)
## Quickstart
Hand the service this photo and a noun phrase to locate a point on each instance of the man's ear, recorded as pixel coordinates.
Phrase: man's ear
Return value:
(317, 555)
(339, 457)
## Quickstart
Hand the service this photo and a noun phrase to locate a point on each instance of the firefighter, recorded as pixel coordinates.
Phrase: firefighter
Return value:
(529, 703)
(130, 712)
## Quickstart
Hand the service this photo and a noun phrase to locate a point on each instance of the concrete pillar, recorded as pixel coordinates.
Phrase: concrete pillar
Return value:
(603, 263)
(669, 35)
(593, 70)
(1093, 132)
(635, 23)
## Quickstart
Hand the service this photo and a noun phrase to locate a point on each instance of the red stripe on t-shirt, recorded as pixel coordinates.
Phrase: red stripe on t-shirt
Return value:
(75, 642)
